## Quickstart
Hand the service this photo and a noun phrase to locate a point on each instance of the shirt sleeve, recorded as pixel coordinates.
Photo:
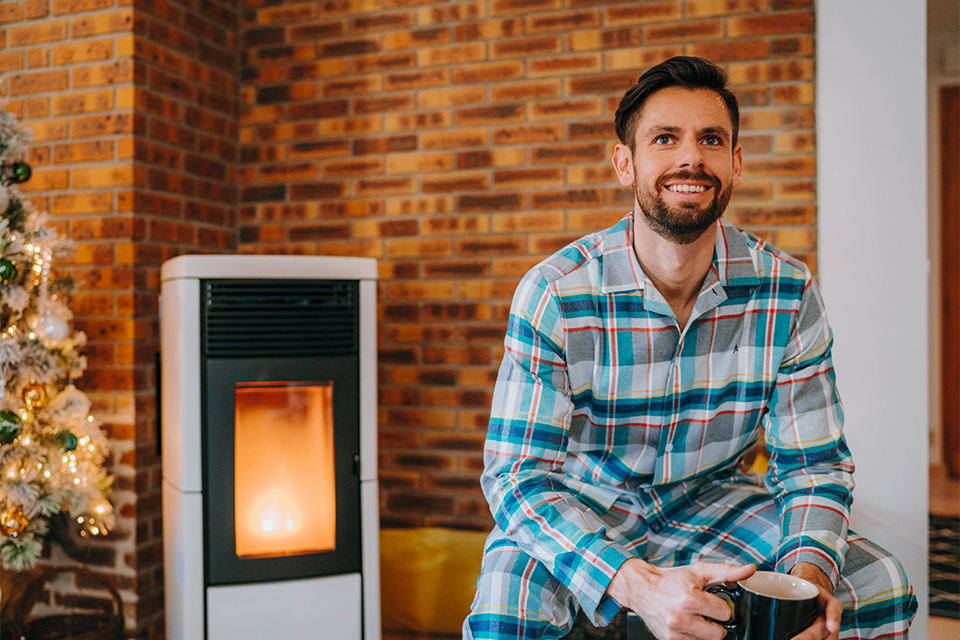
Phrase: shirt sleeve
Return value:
(525, 450)
(811, 469)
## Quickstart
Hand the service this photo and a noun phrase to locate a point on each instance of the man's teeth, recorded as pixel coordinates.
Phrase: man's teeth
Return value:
(687, 188)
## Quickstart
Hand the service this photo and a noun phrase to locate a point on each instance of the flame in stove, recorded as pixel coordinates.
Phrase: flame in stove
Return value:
(271, 521)
(276, 513)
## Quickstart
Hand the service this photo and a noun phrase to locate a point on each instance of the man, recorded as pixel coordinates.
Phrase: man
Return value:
(641, 363)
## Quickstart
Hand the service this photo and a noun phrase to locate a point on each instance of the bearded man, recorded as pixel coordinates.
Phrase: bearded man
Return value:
(642, 362)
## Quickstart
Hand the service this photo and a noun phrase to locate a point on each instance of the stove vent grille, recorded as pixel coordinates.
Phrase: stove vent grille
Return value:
(280, 318)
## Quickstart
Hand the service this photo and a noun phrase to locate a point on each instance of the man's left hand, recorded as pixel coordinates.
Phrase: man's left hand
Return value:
(827, 626)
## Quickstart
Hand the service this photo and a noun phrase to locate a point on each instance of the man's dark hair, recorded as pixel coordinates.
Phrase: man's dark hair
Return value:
(680, 71)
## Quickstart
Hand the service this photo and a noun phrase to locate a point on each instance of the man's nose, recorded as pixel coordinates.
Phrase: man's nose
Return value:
(691, 155)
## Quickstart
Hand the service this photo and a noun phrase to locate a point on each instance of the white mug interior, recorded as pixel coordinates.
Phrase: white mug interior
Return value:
(780, 586)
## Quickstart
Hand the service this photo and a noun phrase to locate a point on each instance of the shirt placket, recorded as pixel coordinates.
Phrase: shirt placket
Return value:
(711, 296)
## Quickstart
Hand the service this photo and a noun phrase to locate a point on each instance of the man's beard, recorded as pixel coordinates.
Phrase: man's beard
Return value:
(681, 224)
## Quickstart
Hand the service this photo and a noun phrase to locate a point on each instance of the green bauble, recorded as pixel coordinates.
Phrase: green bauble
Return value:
(8, 270)
(69, 441)
(21, 172)
(10, 426)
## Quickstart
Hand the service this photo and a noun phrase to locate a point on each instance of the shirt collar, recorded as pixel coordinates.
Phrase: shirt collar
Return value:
(620, 269)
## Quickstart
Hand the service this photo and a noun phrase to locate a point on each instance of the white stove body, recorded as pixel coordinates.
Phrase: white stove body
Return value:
(340, 607)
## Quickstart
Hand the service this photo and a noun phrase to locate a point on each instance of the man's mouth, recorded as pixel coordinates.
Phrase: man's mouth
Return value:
(687, 188)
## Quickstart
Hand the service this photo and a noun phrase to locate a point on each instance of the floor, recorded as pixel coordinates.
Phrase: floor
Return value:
(944, 501)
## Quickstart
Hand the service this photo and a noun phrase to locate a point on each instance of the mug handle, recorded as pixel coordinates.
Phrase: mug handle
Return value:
(730, 595)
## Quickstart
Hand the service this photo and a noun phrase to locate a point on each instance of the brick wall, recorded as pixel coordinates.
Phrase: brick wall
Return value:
(134, 115)
(457, 142)
(185, 154)
(461, 142)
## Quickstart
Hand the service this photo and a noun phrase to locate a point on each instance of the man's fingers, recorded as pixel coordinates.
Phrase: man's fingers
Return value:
(717, 607)
(833, 613)
(716, 572)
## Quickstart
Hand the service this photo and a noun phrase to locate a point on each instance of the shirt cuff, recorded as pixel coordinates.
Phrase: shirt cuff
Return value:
(589, 576)
(827, 555)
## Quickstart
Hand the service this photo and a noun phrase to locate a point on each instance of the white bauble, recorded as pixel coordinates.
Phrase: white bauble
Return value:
(53, 327)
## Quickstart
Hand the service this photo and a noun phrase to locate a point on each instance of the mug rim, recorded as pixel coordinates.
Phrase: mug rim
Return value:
(778, 577)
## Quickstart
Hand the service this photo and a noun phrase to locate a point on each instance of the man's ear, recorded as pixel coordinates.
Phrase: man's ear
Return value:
(737, 166)
(623, 164)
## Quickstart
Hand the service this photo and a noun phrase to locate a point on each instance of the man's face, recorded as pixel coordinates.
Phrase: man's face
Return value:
(684, 166)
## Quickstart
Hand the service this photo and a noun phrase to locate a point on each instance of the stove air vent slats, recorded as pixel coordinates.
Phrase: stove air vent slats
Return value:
(280, 318)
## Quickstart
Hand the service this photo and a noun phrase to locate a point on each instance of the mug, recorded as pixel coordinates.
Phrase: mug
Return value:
(769, 606)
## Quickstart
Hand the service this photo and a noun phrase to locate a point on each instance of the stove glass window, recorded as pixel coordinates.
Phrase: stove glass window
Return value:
(285, 494)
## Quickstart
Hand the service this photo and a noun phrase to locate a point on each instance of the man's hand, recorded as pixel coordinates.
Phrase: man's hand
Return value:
(827, 626)
(672, 601)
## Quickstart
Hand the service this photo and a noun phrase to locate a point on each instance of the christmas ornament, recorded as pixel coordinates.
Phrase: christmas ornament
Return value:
(33, 394)
(69, 441)
(16, 172)
(8, 271)
(13, 522)
(52, 327)
(10, 426)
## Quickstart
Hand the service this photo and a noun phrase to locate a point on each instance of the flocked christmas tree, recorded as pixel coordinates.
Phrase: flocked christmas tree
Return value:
(51, 448)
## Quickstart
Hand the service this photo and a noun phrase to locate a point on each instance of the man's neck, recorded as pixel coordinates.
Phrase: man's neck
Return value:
(677, 271)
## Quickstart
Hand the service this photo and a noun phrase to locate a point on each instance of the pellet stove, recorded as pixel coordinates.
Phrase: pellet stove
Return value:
(269, 414)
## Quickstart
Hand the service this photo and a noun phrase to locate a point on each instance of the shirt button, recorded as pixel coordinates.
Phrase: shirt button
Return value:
(669, 447)
(655, 526)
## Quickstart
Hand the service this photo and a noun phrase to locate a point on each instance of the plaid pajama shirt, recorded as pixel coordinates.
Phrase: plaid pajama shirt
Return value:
(615, 433)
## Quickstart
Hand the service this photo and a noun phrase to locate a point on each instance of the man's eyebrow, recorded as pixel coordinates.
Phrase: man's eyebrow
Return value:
(661, 129)
(722, 132)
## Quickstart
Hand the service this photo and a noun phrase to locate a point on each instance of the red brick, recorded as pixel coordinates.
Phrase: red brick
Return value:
(499, 7)
(523, 47)
(491, 29)
(563, 65)
(452, 54)
(563, 21)
(459, 12)
(524, 91)
(704, 8)
(407, 38)
(40, 82)
(488, 72)
(772, 24)
(635, 13)
(562, 109)
(528, 134)
(687, 31)
(416, 79)
(733, 50)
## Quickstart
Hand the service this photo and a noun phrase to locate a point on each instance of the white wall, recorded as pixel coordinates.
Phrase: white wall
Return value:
(873, 265)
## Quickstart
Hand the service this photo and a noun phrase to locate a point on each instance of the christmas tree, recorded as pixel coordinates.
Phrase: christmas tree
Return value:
(51, 448)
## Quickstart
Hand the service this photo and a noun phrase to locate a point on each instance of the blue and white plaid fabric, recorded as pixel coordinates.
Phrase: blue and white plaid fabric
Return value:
(603, 398)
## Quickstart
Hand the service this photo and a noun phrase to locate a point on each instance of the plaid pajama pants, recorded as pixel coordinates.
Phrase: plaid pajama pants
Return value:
(729, 521)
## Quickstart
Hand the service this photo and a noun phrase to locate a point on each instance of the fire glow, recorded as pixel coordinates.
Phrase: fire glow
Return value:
(284, 469)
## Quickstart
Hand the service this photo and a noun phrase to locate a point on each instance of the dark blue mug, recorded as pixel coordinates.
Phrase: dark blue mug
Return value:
(769, 606)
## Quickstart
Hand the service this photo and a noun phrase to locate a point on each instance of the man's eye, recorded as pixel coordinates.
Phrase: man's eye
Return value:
(712, 141)
(664, 139)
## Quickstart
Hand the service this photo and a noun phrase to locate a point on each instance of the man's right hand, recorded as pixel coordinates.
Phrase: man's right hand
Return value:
(672, 601)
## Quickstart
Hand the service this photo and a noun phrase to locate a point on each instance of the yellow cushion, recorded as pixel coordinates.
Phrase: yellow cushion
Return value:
(428, 578)
(760, 463)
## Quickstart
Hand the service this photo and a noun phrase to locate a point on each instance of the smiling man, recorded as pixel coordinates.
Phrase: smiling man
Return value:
(642, 362)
